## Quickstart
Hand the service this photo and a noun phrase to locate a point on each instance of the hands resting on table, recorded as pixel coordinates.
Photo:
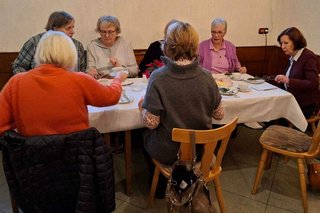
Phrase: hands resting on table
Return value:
(115, 63)
(282, 79)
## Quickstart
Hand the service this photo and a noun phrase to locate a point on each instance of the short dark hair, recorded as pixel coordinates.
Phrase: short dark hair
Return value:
(58, 19)
(295, 36)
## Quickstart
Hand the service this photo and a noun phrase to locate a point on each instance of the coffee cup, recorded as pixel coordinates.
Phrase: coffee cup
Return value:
(243, 87)
(236, 76)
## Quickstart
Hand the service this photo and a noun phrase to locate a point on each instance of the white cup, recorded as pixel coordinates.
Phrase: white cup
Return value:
(236, 76)
(243, 86)
(116, 70)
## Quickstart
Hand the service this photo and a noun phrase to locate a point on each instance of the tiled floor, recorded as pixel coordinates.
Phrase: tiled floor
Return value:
(279, 191)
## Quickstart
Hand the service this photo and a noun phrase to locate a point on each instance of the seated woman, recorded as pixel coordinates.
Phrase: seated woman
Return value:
(110, 50)
(217, 54)
(154, 51)
(171, 99)
(51, 99)
(301, 77)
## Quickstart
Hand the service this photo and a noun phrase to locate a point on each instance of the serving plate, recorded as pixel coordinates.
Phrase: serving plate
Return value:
(255, 80)
(228, 90)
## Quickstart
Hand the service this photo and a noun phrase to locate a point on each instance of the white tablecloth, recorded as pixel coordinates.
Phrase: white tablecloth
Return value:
(248, 107)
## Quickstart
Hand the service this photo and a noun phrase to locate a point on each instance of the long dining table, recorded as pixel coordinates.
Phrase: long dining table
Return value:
(263, 102)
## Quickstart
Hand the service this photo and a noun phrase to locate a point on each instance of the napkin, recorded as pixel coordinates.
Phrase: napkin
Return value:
(263, 87)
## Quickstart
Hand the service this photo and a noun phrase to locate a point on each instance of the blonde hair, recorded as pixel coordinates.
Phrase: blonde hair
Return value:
(181, 41)
(56, 48)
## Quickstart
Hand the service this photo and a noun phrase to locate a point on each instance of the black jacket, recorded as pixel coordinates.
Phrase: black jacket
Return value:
(59, 173)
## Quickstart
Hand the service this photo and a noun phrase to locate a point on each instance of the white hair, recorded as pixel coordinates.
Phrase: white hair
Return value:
(56, 48)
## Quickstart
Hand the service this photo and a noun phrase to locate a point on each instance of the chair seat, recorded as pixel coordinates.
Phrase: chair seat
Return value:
(285, 138)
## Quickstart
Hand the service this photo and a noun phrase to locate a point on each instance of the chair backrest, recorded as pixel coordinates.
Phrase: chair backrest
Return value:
(210, 139)
(315, 146)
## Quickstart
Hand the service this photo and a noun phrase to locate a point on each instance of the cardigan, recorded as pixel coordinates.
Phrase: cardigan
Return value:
(206, 59)
(51, 100)
(304, 79)
(154, 52)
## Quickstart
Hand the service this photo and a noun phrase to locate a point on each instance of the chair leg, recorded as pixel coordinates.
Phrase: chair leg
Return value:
(153, 186)
(268, 160)
(303, 185)
(14, 205)
(259, 171)
(217, 186)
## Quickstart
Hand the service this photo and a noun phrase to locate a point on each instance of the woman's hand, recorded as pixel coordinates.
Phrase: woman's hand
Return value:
(243, 70)
(140, 103)
(94, 73)
(282, 79)
(115, 62)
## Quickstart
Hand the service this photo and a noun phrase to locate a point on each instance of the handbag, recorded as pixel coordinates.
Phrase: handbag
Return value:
(186, 190)
(314, 175)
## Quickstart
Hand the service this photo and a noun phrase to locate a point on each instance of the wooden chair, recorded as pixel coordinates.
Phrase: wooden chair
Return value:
(211, 170)
(292, 143)
(313, 120)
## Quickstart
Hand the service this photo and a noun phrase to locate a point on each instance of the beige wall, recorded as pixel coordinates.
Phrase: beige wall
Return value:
(143, 20)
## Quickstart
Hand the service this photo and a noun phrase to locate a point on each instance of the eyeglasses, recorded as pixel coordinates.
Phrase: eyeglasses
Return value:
(111, 32)
(217, 32)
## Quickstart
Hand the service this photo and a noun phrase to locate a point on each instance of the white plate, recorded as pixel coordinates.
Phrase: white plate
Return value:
(104, 81)
(125, 99)
(127, 82)
(245, 91)
(228, 90)
(255, 81)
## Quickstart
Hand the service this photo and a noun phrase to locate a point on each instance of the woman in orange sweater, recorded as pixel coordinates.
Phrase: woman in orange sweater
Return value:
(51, 99)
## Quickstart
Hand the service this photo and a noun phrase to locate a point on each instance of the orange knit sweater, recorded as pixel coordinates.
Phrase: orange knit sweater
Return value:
(51, 100)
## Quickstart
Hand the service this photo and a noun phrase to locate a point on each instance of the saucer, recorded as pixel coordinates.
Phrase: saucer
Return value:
(248, 90)
(127, 82)
(104, 81)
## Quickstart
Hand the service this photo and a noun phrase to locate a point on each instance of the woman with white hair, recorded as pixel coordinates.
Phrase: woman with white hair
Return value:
(217, 54)
(51, 98)
(110, 50)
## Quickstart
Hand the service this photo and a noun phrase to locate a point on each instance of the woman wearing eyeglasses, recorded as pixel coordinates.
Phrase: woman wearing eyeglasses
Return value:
(110, 50)
(217, 54)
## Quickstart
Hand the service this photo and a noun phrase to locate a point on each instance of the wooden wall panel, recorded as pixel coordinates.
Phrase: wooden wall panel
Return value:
(6, 60)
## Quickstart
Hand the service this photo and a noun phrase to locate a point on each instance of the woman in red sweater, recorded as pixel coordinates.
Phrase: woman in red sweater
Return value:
(51, 99)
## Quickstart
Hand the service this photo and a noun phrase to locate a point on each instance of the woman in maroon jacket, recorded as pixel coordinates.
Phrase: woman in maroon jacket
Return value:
(301, 77)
